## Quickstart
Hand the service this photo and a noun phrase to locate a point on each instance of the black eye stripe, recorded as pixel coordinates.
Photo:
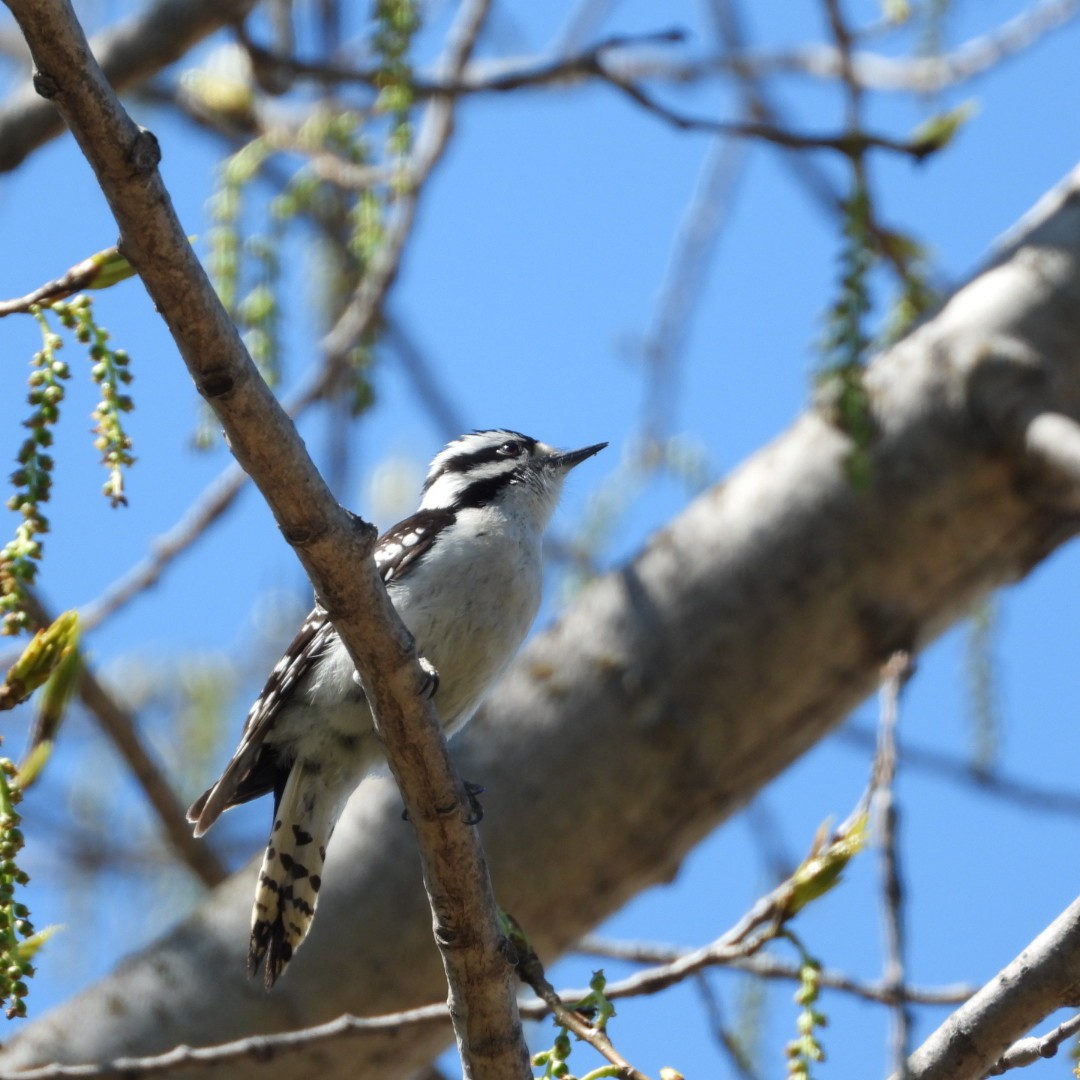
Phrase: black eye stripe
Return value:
(464, 462)
(469, 459)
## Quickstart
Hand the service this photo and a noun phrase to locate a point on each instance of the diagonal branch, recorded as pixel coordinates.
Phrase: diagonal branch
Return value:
(764, 966)
(334, 546)
(120, 728)
(973, 1040)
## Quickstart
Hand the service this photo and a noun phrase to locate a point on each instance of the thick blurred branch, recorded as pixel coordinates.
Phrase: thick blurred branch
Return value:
(129, 53)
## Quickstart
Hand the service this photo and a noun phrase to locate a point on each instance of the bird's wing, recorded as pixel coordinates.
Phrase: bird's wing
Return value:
(254, 771)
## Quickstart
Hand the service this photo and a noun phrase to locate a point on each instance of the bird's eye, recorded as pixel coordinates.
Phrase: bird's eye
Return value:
(510, 449)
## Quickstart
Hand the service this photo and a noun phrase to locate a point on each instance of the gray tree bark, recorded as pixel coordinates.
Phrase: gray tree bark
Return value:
(675, 687)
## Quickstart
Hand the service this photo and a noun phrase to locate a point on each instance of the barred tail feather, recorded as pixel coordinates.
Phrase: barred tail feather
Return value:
(290, 876)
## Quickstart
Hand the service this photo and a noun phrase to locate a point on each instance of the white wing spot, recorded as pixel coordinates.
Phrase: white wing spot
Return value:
(413, 538)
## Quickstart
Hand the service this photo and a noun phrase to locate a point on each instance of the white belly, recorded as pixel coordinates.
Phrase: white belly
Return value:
(470, 624)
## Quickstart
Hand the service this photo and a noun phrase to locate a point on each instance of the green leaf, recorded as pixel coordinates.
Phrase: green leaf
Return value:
(105, 269)
(936, 133)
(822, 868)
(29, 948)
(46, 651)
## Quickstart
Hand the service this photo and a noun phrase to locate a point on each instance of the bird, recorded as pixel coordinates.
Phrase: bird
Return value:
(464, 572)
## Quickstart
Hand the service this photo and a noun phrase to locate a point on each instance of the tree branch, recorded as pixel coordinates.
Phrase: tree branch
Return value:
(334, 546)
(1028, 1051)
(764, 966)
(121, 730)
(974, 1039)
(128, 53)
(950, 767)
(897, 671)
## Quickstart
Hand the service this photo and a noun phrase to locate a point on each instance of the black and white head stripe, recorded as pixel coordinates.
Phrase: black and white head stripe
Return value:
(480, 467)
(474, 469)
(477, 449)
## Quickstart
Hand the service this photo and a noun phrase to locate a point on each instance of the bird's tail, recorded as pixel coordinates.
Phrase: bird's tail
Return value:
(291, 872)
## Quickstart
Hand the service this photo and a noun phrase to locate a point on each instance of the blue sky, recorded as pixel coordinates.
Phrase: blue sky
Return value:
(541, 245)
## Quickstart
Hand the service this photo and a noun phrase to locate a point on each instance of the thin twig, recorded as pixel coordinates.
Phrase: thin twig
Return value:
(514, 75)
(727, 1041)
(215, 499)
(681, 287)
(849, 143)
(896, 672)
(531, 972)
(448, 418)
(258, 1048)
(765, 966)
(1020, 793)
(120, 727)
(1035, 1048)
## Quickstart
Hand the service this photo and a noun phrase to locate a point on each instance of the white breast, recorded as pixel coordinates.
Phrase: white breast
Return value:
(470, 604)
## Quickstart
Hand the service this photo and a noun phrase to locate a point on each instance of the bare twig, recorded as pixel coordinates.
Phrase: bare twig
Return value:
(120, 727)
(1036, 1048)
(850, 143)
(681, 287)
(478, 77)
(1021, 793)
(727, 1041)
(261, 1048)
(445, 413)
(531, 972)
(628, 57)
(895, 673)
(209, 507)
(765, 966)
(365, 309)
(977, 1035)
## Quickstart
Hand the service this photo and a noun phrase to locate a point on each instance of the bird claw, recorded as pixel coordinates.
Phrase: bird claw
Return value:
(431, 678)
(472, 793)
(475, 812)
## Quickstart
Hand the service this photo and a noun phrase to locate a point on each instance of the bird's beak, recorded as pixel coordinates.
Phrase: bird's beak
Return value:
(570, 458)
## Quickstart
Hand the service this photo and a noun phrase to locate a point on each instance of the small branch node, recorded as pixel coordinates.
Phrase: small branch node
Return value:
(215, 385)
(145, 152)
(45, 85)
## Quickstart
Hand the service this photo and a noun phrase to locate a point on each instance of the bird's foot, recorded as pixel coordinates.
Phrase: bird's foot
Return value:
(472, 794)
(475, 813)
(431, 678)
